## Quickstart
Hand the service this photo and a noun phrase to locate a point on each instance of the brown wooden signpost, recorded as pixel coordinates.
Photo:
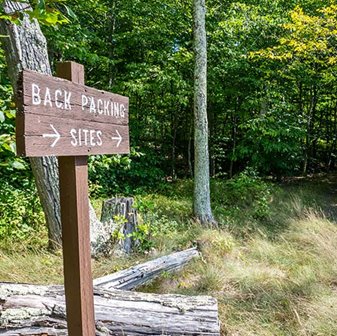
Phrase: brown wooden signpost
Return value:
(62, 118)
(65, 118)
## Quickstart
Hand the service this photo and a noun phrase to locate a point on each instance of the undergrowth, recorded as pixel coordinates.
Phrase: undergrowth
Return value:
(271, 263)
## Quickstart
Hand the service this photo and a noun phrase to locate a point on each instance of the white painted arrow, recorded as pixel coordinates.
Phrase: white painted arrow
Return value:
(119, 138)
(55, 135)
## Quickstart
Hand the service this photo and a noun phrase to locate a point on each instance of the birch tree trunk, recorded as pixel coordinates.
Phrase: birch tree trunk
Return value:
(202, 202)
(26, 48)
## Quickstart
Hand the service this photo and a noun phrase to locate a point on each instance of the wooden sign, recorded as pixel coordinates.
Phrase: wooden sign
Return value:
(63, 118)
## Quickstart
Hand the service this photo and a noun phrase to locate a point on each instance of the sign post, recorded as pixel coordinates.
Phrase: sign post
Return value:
(63, 117)
(73, 175)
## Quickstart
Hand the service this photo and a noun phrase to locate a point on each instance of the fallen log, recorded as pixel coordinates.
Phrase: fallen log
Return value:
(141, 274)
(40, 310)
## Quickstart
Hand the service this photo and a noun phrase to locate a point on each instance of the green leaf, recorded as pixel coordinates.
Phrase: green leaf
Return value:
(2, 116)
(70, 12)
(52, 18)
(41, 4)
(13, 147)
(18, 165)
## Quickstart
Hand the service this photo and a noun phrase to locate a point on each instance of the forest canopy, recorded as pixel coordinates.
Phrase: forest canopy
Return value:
(271, 85)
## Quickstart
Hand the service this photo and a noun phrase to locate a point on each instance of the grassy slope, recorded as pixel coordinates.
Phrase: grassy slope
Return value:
(274, 272)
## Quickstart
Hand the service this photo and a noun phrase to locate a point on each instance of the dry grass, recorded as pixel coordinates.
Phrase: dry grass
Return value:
(280, 286)
(282, 283)
(31, 267)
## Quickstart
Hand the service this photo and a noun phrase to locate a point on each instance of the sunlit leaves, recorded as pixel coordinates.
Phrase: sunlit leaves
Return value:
(309, 37)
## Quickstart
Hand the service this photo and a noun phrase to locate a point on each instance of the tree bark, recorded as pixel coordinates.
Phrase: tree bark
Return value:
(202, 202)
(26, 48)
(127, 216)
(40, 310)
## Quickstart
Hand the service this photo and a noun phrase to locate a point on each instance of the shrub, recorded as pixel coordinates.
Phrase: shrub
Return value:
(126, 174)
(22, 218)
(247, 191)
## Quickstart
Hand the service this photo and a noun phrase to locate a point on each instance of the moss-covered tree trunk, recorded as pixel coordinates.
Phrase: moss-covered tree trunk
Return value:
(202, 203)
(26, 47)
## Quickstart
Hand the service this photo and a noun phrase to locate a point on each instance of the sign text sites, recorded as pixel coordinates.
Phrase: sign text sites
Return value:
(59, 117)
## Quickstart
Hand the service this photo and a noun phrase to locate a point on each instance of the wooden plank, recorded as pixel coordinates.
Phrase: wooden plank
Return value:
(35, 310)
(58, 136)
(51, 108)
(73, 174)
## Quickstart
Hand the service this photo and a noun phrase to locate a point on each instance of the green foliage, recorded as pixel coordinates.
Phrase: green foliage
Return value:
(246, 194)
(273, 141)
(146, 230)
(271, 95)
(11, 166)
(47, 12)
(126, 174)
(22, 218)
(152, 225)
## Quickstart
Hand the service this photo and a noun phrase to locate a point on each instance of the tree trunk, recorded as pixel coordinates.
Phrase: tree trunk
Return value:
(40, 310)
(202, 202)
(26, 48)
(120, 210)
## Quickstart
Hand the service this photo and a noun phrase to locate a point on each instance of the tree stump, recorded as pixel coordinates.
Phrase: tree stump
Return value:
(120, 213)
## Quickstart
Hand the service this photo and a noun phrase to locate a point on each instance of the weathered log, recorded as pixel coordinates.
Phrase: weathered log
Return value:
(123, 210)
(40, 310)
(140, 274)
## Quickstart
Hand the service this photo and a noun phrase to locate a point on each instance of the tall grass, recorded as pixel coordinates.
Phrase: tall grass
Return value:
(271, 264)
(275, 275)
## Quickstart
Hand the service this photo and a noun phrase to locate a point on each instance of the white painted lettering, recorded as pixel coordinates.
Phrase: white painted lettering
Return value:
(99, 138)
(122, 110)
(67, 96)
(92, 137)
(58, 94)
(73, 135)
(84, 101)
(92, 105)
(47, 98)
(36, 94)
(106, 107)
(111, 108)
(99, 106)
(116, 109)
(85, 137)
(85, 131)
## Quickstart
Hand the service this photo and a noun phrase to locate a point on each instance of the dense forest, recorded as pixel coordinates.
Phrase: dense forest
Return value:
(272, 128)
(271, 84)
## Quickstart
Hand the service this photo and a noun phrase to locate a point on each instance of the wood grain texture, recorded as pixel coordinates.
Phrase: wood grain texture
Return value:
(73, 177)
(39, 310)
(46, 103)
(138, 275)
